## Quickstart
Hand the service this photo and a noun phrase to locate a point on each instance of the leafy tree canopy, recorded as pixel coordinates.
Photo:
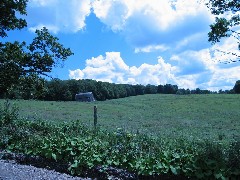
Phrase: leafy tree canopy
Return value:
(236, 87)
(228, 18)
(8, 19)
(19, 59)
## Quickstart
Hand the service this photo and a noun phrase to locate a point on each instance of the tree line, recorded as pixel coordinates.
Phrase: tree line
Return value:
(35, 87)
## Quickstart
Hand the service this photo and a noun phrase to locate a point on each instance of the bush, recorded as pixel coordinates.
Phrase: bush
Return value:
(8, 114)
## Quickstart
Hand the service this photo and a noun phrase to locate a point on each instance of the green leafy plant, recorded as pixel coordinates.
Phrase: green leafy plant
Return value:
(8, 113)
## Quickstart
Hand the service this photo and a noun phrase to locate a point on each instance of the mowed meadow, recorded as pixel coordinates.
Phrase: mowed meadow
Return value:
(214, 117)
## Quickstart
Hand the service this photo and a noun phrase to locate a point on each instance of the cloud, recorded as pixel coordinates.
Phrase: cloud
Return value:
(158, 23)
(151, 48)
(225, 50)
(190, 69)
(39, 3)
(65, 16)
(147, 25)
(224, 78)
(112, 68)
(139, 22)
(164, 14)
(111, 13)
(51, 28)
(193, 62)
(200, 69)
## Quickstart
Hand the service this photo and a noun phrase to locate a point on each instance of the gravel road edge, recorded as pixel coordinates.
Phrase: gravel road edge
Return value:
(10, 170)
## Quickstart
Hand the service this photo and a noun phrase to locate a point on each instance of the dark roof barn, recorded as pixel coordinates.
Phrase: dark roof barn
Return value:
(85, 97)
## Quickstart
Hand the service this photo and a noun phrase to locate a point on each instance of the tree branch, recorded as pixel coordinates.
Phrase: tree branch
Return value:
(230, 60)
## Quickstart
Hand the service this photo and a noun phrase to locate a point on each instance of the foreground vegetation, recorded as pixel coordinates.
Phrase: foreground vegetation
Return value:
(82, 148)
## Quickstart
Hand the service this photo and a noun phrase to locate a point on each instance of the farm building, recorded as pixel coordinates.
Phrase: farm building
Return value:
(85, 97)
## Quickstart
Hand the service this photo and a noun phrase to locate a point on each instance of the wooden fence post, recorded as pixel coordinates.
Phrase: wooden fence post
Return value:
(95, 117)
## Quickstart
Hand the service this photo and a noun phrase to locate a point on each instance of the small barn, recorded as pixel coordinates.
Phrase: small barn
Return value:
(85, 97)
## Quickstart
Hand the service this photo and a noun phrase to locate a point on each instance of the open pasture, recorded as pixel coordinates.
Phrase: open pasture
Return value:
(214, 117)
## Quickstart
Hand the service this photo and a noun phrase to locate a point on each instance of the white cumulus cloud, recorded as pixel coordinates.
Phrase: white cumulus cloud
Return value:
(164, 14)
(159, 23)
(39, 3)
(65, 16)
(112, 68)
(50, 27)
(226, 51)
(190, 69)
(200, 69)
(151, 48)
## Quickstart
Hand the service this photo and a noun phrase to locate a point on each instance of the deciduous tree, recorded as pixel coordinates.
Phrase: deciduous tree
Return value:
(226, 22)
(19, 59)
(236, 87)
(8, 19)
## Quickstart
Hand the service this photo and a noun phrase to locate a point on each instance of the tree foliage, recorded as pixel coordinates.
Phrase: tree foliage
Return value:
(236, 87)
(28, 87)
(150, 89)
(34, 87)
(18, 59)
(228, 18)
(8, 19)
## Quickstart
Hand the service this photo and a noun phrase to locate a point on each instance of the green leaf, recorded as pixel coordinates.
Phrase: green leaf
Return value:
(125, 159)
(176, 156)
(69, 149)
(99, 159)
(90, 164)
(116, 163)
(73, 153)
(73, 143)
(150, 173)
(95, 143)
(95, 155)
(159, 166)
(109, 162)
(165, 154)
(54, 156)
(218, 175)
(29, 152)
(75, 165)
(174, 170)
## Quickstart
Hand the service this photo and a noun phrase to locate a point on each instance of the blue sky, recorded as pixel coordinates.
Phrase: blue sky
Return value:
(135, 41)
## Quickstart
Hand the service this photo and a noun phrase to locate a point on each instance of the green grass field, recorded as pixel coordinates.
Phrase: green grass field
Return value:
(214, 117)
(194, 136)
